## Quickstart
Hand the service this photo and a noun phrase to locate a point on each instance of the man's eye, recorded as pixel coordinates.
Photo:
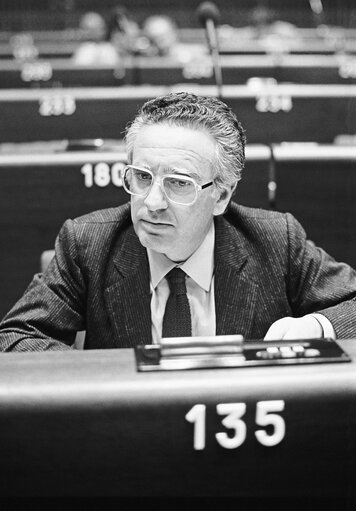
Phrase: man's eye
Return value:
(143, 176)
(180, 183)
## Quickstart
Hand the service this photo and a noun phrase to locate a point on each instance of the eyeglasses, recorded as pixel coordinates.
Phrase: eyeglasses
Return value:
(177, 188)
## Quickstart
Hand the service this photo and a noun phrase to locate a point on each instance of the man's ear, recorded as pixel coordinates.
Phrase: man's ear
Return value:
(224, 197)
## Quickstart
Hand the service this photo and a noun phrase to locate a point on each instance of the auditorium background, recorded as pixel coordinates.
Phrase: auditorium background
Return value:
(288, 69)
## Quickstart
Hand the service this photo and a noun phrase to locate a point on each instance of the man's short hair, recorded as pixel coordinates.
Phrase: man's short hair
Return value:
(198, 112)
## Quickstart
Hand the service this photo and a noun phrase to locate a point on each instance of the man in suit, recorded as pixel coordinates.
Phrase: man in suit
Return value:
(246, 271)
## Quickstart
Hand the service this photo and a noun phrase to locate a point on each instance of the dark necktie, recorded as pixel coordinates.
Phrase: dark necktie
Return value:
(177, 319)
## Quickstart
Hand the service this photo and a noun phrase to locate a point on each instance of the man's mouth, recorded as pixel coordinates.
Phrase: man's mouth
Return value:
(154, 224)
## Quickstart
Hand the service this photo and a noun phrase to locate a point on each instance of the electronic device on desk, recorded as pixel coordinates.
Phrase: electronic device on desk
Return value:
(179, 353)
(91, 144)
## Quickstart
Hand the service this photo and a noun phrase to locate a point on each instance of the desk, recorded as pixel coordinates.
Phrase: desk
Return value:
(269, 113)
(46, 49)
(234, 33)
(186, 34)
(38, 192)
(88, 424)
(302, 47)
(236, 69)
(57, 73)
(318, 185)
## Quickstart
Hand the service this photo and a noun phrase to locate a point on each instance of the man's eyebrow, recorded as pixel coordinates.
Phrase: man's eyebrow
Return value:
(184, 172)
(141, 166)
(172, 170)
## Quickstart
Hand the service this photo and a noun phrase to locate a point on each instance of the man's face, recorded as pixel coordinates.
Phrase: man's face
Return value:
(172, 229)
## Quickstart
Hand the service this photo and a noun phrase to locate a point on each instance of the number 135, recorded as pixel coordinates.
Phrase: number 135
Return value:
(234, 412)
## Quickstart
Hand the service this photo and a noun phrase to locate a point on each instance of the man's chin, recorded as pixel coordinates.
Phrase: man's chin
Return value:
(154, 241)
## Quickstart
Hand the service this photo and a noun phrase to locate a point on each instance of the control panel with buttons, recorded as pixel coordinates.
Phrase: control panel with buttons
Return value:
(234, 351)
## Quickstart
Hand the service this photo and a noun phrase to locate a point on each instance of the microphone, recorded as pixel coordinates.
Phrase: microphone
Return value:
(272, 179)
(318, 11)
(329, 36)
(209, 15)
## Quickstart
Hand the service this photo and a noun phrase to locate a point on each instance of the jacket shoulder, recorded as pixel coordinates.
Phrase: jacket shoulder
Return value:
(237, 212)
(96, 229)
(263, 223)
(118, 215)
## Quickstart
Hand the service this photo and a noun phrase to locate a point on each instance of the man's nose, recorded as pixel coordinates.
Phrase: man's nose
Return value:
(156, 198)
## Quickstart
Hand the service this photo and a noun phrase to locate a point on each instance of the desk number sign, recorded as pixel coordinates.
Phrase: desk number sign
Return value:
(265, 416)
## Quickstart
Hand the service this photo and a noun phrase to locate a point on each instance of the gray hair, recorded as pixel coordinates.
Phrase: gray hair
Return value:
(198, 112)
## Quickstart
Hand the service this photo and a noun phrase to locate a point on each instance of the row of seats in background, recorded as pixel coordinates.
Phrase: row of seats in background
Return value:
(232, 41)
(334, 68)
(50, 59)
(279, 75)
(118, 51)
(61, 128)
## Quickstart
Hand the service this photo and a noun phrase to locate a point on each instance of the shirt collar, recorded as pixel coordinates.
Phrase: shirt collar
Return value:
(199, 266)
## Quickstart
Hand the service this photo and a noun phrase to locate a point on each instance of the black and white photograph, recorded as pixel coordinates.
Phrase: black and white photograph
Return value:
(178, 253)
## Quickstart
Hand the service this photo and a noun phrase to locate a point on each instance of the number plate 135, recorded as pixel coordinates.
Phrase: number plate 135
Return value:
(233, 420)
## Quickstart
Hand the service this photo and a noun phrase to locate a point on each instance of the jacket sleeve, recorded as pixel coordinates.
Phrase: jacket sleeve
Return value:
(318, 283)
(51, 310)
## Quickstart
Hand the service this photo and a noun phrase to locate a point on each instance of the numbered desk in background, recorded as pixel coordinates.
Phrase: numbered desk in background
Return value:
(322, 40)
(37, 194)
(167, 71)
(269, 112)
(71, 113)
(316, 183)
(238, 69)
(60, 73)
(44, 49)
(86, 423)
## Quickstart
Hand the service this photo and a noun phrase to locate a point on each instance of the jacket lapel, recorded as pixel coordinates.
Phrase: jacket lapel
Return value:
(235, 285)
(128, 294)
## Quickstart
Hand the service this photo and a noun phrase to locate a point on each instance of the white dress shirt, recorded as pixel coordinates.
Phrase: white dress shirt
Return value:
(199, 268)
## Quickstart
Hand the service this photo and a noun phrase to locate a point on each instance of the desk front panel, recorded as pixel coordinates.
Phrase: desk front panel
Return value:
(282, 113)
(164, 71)
(238, 69)
(322, 196)
(35, 200)
(86, 423)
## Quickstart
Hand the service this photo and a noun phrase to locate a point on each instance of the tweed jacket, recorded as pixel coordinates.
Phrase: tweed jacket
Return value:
(98, 281)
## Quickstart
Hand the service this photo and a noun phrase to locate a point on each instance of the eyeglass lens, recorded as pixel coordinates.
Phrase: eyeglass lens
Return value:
(177, 188)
